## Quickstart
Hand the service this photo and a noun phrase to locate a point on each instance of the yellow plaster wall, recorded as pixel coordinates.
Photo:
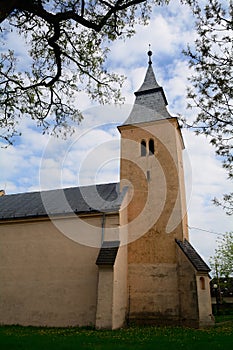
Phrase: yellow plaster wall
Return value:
(112, 293)
(163, 195)
(120, 291)
(187, 287)
(104, 312)
(153, 294)
(156, 216)
(204, 301)
(47, 278)
(195, 302)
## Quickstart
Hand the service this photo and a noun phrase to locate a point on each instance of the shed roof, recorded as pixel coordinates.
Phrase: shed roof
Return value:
(108, 252)
(193, 256)
(83, 199)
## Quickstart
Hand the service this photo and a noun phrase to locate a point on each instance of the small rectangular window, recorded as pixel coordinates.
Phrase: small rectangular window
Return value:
(151, 147)
(143, 148)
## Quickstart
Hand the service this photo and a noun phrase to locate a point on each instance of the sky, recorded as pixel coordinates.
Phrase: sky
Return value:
(91, 155)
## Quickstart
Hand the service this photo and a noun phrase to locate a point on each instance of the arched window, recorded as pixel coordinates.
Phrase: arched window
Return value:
(143, 148)
(202, 283)
(151, 147)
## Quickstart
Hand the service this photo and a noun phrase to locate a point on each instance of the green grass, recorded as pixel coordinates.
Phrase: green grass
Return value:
(223, 318)
(135, 338)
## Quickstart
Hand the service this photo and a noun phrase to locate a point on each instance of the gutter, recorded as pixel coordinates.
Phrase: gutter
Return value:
(103, 226)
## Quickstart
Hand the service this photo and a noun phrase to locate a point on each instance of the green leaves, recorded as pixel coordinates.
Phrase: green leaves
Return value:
(211, 91)
(222, 262)
(66, 49)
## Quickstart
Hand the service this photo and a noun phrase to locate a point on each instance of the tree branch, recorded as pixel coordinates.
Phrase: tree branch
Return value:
(57, 53)
(6, 7)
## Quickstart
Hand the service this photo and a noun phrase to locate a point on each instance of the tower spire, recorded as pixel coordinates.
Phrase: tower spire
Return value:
(151, 97)
(149, 53)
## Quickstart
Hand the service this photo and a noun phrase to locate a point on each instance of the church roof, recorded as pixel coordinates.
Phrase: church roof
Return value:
(84, 199)
(193, 256)
(150, 81)
(150, 103)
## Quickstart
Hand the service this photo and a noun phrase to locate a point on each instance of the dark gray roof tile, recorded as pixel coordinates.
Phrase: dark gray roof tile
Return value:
(150, 104)
(193, 256)
(149, 82)
(84, 199)
(108, 252)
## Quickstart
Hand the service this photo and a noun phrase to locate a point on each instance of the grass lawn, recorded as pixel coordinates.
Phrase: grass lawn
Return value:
(167, 338)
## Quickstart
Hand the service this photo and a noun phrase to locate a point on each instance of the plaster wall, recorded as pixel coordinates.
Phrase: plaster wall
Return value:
(187, 286)
(157, 181)
(204, 300)
(153, 294)
(156, 216)
(104, 312)
(120, 291)
(112, 293)
(48, 279)
(112, 280)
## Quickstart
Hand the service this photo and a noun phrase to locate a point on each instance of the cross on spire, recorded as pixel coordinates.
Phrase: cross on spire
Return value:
(149, 53)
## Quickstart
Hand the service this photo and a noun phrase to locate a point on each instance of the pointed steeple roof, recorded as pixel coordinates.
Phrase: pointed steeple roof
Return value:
(149, 82)
(150, 103)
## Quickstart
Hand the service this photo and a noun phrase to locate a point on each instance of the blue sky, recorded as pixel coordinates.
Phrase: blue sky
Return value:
(38, 161)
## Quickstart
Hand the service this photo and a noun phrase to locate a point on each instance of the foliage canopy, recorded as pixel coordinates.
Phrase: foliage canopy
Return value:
(67, 45)
(212, 81)
(222, 262)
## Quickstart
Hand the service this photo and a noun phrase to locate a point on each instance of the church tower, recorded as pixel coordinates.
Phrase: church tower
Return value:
(152, 168)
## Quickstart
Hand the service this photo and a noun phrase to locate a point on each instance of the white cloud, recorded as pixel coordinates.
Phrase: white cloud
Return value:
(208, 181)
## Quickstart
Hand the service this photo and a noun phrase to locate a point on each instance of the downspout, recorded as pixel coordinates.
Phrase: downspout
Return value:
(103, 226)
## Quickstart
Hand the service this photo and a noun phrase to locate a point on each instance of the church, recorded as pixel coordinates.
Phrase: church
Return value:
(114, 254)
